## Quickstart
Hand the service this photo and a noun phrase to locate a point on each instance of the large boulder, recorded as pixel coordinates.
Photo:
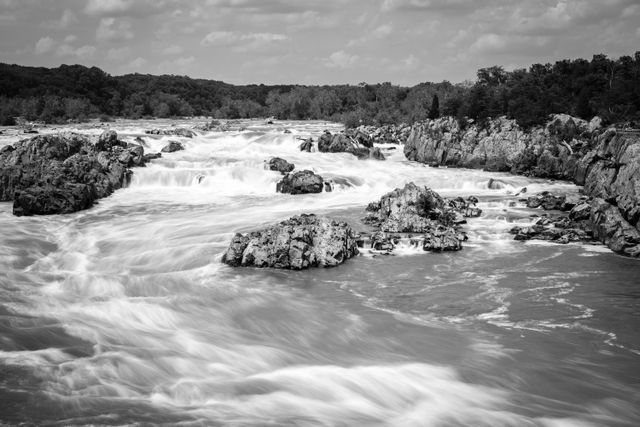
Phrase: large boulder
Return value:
(297, 243)
(301, 182)
(411, 209)
(416, 209)
(610, 227)
(63, 173)
(280, 165)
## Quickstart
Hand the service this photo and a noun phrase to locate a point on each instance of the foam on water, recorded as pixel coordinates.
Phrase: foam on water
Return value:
(172, 331)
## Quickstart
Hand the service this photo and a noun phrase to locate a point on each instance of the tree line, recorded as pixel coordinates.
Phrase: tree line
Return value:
(601, 86)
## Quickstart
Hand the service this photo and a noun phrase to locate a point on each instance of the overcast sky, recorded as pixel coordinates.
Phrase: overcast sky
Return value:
(314, 41)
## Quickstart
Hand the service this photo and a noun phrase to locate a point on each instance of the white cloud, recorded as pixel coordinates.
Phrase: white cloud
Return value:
(137, 63)
(108, 7)
(111, 29)
(380, 32)
(70, 38)
(242, 42)
(341, 59)
(44, 45)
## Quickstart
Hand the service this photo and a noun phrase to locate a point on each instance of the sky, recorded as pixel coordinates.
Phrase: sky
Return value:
(314, 41)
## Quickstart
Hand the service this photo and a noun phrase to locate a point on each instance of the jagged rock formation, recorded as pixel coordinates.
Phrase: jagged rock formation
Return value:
(64, 173)
(386, 134)
(297, 243)
(415, 209)
(605, 162)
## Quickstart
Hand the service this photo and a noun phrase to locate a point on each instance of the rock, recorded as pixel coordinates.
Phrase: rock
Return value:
(107, 140)
(547, 201)
(287, 131)
(6, 149)
(440, 238)
(408, 209)
(307, 145)
(63, 173)
(383, 242)
(496, 184)
(280, 165)
(612, 229)
(580, 212)
(186, 133)
(301, 182)
(297, 243)
(172, 146)
(148, 157)
(358, 144)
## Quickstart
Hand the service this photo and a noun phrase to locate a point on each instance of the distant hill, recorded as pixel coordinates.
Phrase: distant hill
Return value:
(601, 86)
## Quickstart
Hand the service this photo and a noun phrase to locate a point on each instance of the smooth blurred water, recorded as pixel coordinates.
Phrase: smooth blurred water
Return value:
(123, 314)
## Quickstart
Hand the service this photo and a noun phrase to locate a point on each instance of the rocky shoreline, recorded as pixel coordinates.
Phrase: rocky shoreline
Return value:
(605, 161)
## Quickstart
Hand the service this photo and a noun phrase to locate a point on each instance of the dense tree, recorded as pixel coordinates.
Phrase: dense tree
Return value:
(601, 86)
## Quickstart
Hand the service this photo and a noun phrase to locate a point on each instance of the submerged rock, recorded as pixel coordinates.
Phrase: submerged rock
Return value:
(297, 243)
(280, 165)
(301, 182)
(64, 173)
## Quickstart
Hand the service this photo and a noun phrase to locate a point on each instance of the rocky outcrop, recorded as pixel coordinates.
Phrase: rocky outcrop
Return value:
(301, 182)
(416, 209)
(297, 243)
(386, 134)
(64, 173)
(172, 147)
(357, 143)
(280, 165)
(605, 162)
(186, 133)
(307, 145)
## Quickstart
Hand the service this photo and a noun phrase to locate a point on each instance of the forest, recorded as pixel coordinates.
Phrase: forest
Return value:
(609, 88)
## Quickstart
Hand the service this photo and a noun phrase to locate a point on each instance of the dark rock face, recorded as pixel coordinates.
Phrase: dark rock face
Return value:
(606, 162)
(280, 165)
(356, 143)
(415, 209)
(172, 147)
(64, 173)
(186, 133)
(297, 243)
(301, 182)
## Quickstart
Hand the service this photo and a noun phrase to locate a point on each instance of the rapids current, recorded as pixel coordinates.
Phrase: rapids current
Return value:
(123, 314)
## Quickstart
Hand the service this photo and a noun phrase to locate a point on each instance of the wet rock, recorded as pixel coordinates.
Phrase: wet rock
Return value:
(63, 173)
(280, 165)
(408, 209)
(439, 238)
(297, 243)
(496, 184)
(287, 131)
(610, 227)
(580, 212)
(172, 147)
(547, 201)
(301, 182)
(186, 133)
(307, 145)
(357, 144)
(151, 156)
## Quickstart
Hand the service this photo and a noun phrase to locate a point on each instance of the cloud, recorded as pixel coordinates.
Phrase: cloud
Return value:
(381, 32)
(44, 45)
(341, 59)
(111, 29)
(242, 42)
(70, 38)
(174, 49)
(137, 63)
(119, 54)
(130, 8)
(428, 5)
(83, 52)
(511, 44)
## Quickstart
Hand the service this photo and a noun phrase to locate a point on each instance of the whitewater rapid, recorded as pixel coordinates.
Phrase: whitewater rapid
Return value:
(124, 314)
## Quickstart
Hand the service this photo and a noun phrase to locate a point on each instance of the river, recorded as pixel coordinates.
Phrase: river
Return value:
(123, 314)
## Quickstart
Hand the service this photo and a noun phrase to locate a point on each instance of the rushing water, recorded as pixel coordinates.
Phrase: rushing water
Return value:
(124, 314)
